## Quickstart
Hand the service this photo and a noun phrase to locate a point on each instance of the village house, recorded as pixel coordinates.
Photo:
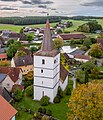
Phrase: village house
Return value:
(10, 76)
(81, 58)
(68, 37)
(47, 69)
(5, 94)
(3, 56)
(76, 52)
(24, 62)
(7, 112)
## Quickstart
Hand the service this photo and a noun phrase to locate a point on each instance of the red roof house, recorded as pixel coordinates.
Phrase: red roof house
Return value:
(7, 112)
(82, 58)
(72, 36)
(10, 76)
(3, 56)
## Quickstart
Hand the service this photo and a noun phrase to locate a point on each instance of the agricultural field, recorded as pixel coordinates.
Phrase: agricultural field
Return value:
(72, 29)
(16, 28)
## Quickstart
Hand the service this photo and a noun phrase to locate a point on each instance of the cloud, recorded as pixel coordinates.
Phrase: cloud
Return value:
(7, 8)
(31, 1)
(42, 6)
(9, 0)
(97, 3)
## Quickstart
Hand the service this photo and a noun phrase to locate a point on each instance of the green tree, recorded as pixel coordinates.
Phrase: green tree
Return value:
(11, 50)
(58, 43)
(94, 73)
(95, 51)
(33, 49)
(18, 94)
(86, 102)
(87, 66)
(10, 42)
(87, 42)
(29, 38)
(29, 91)
(80, 76)
(20, 53)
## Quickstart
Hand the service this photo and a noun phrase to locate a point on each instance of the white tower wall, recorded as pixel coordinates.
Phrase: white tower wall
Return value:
(46, 76)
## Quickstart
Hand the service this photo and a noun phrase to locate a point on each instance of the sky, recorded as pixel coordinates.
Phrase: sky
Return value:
(22, 8)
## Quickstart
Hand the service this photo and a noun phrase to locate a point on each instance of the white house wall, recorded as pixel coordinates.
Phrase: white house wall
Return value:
(19, 81)
(13, 118)
(63, 85)
(8, 83)
(12, 63)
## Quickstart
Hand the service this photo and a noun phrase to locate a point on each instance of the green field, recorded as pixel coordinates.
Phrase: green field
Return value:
(16, 28)
(72, 29)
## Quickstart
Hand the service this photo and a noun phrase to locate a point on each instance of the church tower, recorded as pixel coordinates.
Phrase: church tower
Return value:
(46, 68)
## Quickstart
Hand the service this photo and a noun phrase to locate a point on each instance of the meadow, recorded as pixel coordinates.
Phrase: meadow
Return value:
(76, 23)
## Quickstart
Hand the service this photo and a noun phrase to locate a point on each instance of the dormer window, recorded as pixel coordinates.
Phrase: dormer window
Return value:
(43, 61)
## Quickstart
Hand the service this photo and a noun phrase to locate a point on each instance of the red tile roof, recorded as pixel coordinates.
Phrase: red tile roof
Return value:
(13, 72)
(72, 36)
(3, 56)
(63, 73)
(85, 57)
(15, 86)
(6, 110)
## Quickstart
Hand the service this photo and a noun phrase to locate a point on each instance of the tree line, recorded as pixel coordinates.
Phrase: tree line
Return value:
(30, 20)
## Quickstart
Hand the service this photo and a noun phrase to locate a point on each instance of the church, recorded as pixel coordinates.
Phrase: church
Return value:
(48, 72)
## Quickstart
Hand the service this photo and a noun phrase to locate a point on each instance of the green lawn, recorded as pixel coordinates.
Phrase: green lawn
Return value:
(59, 110)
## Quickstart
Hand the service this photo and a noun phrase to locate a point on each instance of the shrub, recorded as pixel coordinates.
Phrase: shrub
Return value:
(29, 91)
(40, 110)
(60, 92)
(67, 91)
(44, 110)
(44, 101)
(18, 95)
(49, 112)
(57, 99)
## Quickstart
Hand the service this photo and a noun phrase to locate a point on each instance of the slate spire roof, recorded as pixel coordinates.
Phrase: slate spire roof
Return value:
(47, 48)
(47, 43)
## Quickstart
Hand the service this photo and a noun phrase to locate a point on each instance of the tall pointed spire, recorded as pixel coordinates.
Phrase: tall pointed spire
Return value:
(47, 48)
(47, 43)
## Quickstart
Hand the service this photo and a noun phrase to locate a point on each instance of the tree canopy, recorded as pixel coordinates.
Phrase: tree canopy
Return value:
(86, 102)
(96, 51)
(58, 43)
(91, 26)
